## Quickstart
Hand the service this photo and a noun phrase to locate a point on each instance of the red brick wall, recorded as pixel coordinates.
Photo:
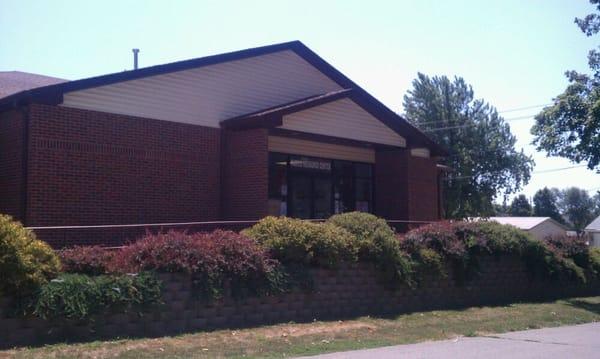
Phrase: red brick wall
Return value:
(422, 189)
(12, 127)
(406, 187)
(88, 167)
(391, 198)
(245, 174)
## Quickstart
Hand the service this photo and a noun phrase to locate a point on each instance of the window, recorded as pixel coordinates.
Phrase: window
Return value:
(309, 187)
(278, 184)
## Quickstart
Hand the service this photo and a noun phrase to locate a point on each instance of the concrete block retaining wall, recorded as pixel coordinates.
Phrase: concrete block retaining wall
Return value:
(352, 290)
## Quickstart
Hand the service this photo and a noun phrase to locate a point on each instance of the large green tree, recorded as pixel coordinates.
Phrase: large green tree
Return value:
(545, 204)
(577, 207)
(570, 127)
(520, 207)
(481, 147)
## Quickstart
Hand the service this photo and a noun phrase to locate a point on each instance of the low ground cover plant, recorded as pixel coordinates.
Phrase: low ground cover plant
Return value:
(79, 296)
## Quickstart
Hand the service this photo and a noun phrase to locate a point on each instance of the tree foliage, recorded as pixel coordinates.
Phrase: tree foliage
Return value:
(483, 157)
(520, 207)
(545, 204)
(577, 207)
(570, 127)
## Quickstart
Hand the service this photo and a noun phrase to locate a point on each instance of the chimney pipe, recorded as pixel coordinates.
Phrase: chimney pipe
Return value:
(135, 58)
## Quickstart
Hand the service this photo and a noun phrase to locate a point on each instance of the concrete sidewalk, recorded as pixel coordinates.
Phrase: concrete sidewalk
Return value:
(578, 341)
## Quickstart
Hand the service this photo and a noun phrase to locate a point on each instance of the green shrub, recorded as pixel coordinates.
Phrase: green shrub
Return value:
(428, 261)
(294, 241)
(372, 233)
(594, 265)
(78, 296)
(545, 261)
(462, 244)
(377, 243)
(25, 262)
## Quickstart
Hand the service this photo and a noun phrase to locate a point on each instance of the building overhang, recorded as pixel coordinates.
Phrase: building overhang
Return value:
(273, 116)
(53, 94)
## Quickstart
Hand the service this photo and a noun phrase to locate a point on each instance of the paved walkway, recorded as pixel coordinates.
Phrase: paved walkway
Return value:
(578, 341)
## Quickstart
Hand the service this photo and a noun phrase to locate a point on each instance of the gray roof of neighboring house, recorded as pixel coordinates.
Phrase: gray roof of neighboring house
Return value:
(525, 223)
(12, 82)
(594, 226)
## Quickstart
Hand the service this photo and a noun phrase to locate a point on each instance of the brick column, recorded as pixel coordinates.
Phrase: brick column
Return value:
(245, 174)
(406, 187)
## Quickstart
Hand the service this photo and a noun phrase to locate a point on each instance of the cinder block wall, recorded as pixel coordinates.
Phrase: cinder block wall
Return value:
(351, 291)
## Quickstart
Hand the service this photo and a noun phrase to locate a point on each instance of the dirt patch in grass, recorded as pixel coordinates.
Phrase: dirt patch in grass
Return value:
(316, 328)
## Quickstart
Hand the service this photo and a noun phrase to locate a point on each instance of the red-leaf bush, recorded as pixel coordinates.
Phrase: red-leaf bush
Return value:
(90, 260)
(461, 244)
(212, 259)
(571, 247)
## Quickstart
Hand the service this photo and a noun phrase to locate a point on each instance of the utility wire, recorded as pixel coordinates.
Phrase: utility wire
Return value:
(559, 169)
(524, 108)
(469, 125)
(534, 172)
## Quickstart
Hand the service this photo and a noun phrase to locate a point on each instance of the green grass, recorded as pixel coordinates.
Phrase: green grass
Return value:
(287, 340)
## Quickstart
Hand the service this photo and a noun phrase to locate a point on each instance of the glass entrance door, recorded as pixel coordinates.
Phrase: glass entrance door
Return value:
(310, 196)
(300, 196)
(322, 197)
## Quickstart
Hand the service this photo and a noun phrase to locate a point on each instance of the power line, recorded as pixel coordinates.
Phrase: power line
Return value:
(524, 108)
(559, 169)
(468, 125)
(534, 172)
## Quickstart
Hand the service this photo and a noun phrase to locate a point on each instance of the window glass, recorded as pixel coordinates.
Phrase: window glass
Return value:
(362, 170)
(318, 187)
(278, 184)
(363, 194)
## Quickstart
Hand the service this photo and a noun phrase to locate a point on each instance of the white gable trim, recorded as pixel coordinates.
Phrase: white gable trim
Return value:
(209, 94)
(344, 119)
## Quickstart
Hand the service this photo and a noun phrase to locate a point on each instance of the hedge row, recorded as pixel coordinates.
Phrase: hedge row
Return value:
(270, 257)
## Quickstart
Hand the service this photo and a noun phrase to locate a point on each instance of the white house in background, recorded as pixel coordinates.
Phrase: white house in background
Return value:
(593, 231)
(538, 227)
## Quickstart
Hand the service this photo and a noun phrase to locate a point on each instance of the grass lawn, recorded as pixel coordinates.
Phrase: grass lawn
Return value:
(287, 340)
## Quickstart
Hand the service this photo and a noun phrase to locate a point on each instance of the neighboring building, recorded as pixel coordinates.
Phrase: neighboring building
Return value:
(12, 82)
(270, 130)
(593, 231)
(538, 227)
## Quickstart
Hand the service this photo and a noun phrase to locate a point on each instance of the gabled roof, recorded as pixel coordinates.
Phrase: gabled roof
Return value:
(273, 116)
(525, 223)
(594, 226)
(12, 82)
(53, 94)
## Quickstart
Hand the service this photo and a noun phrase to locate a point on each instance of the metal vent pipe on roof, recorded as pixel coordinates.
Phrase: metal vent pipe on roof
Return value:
(135, 58)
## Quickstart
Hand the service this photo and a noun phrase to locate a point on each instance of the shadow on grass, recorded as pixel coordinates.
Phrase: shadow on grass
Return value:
(582, 304)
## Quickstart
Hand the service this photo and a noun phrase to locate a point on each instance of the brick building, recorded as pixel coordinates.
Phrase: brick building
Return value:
(237, 136)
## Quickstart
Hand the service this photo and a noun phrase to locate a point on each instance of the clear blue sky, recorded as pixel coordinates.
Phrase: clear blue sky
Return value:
(514, 53)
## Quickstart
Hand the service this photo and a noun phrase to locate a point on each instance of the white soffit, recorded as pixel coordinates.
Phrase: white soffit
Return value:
(207, 95)
(296, 146)
(344, 119)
